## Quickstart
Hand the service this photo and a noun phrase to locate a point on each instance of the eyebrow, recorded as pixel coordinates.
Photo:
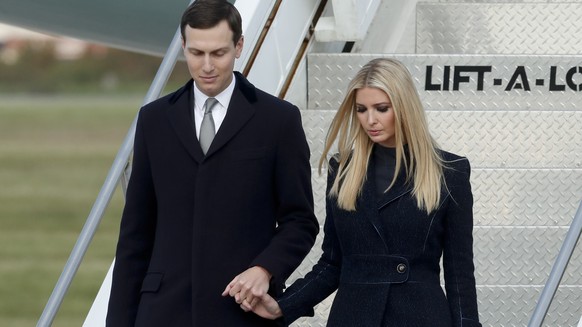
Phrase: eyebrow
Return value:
(215, 50)
(375, 104)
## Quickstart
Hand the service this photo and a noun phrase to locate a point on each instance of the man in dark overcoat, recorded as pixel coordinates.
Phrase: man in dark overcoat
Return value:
(212, 215)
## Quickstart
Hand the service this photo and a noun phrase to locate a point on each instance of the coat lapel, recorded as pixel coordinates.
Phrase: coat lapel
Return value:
(368, 202)
(180, 115)
(400, 188)
(371, 203)
(238, 114)
(240, 110)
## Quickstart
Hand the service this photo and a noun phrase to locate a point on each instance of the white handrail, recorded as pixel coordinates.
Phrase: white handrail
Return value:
(107, 191)
(558, 271)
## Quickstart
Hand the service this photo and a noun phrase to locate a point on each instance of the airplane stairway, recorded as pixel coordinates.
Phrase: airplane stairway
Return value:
(501, 82)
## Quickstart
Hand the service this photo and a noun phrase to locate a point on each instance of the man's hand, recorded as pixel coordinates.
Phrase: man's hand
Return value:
(249, 287)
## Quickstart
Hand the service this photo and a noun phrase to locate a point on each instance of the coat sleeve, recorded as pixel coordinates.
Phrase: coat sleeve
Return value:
(135, 237)
(297, 225)
(458, 249)
(323, 279)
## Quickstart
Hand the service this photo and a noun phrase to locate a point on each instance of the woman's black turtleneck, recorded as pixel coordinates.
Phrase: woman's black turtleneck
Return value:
(384, 163)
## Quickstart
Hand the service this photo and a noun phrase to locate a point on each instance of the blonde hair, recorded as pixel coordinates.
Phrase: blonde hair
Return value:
(424, 166)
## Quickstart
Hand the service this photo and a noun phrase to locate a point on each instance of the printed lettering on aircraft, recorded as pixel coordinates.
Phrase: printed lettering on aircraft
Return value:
(477, 78)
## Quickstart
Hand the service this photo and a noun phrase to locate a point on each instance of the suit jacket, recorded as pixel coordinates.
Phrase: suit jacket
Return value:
(191, 223)
(383, 258)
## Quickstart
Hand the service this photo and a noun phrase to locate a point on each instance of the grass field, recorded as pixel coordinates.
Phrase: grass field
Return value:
(55, 153)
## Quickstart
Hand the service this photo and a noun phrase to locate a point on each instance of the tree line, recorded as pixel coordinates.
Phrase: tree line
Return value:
(38, 69)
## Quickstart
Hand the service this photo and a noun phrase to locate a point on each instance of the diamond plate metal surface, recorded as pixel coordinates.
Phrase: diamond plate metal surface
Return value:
(501, 1)
(521, 256)
(525, 197)
(329, 75)
(504, 195)
(490, 139)
(525, 150)
(511, 139)
(489, 1)
(516, 197)
(514, 305)
(498, 28)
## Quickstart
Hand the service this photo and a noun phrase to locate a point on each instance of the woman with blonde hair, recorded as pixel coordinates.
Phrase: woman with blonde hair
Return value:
(396, 204)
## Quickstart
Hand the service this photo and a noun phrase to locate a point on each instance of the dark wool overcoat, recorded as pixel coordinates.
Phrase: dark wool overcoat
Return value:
(383, 258)
(191, 222)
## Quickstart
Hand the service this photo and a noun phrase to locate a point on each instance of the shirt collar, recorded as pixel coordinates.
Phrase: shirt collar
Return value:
(223, 97)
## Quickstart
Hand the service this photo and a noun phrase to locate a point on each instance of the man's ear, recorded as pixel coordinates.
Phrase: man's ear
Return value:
(239, 46)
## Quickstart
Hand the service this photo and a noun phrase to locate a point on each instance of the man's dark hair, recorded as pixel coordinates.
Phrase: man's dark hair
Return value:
(204, 14)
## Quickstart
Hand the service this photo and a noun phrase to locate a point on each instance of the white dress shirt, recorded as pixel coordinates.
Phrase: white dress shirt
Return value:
(219, 110)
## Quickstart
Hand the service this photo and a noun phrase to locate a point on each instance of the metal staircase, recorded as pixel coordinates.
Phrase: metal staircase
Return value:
(501, 83)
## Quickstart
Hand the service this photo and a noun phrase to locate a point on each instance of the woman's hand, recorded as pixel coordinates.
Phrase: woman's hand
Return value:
(267, 307)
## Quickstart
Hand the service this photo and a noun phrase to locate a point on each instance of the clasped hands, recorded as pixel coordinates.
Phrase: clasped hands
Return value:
(249, 289)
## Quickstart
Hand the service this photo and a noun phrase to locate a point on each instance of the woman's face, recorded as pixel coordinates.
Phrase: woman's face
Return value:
(376, 115)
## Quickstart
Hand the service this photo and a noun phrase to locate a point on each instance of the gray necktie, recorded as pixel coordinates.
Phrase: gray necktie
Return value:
(207, 126)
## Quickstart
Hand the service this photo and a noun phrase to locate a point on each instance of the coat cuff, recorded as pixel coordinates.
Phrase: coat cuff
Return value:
(292, 313)
(466, 322)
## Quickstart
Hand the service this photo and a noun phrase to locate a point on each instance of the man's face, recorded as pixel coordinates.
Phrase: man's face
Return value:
(210, 55)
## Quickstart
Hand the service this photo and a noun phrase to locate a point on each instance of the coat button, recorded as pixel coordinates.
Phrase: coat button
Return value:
(401, 268)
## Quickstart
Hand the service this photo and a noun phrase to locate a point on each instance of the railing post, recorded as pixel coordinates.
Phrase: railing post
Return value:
(107, 190)
(557, 270)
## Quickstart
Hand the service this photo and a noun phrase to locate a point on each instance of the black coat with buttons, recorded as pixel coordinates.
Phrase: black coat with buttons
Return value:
(383, 259)
(192, 222)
